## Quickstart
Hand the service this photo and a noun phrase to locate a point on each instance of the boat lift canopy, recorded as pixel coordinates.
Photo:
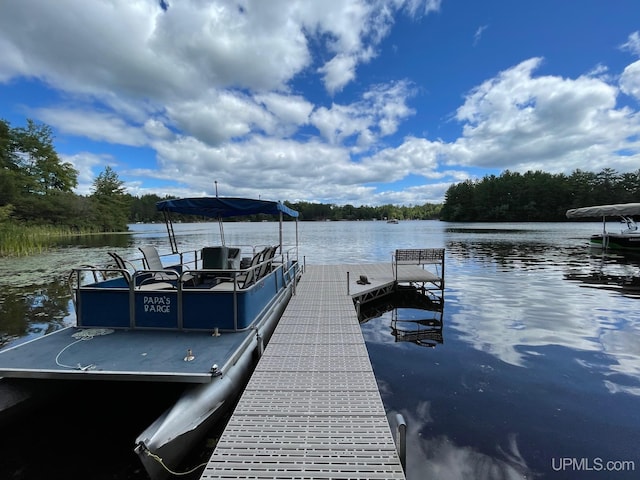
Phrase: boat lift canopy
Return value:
(624, 210)
(621, 209)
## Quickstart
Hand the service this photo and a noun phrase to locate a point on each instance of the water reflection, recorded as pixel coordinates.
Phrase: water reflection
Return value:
(26, 312)
(441, 457)
(542, 351)
(613, 272)
(414, 316)
(529, 295)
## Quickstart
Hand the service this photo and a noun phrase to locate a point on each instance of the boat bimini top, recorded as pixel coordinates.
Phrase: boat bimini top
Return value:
(223, 207)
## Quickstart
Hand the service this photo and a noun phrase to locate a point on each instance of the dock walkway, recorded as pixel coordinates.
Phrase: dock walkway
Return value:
(312, 408)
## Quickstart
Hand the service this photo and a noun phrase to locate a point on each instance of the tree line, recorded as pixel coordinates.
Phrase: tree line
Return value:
(322, 211)
(536, 196)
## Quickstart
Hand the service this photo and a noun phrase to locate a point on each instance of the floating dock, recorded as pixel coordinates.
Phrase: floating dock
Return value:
(312, 408)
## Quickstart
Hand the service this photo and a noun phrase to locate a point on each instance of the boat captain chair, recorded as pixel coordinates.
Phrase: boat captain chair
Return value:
(215, 258)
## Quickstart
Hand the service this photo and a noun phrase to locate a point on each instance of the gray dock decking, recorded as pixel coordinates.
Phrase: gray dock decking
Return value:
(312, 408)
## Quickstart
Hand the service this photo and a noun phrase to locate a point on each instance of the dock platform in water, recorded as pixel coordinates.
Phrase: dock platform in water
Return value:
(312, 408)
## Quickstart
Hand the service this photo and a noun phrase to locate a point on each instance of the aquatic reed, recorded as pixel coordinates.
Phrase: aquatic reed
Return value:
(21, 240)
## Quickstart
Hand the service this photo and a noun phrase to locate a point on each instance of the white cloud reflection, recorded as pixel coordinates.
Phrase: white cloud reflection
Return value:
(441, 457)
(537, 307)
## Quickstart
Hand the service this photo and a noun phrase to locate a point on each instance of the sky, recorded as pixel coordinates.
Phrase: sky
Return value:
(362, 102)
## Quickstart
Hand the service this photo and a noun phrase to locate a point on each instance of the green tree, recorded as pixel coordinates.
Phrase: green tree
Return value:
(8, 186)
(629, 187)
(111, 203)
(31, 172)
(536, 196)
(582, 186)
(8, 159)
(12, 178)
(44, 170)
(459, 202)
(143, 209)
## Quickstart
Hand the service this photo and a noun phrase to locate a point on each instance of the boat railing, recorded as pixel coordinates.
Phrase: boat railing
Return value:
(225, 281)
(630, 223)
(182, 265)
(290, 252)
(420, 257)
(192, 259)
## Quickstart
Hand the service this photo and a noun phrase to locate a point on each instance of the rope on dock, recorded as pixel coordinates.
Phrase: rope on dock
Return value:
(89, 333)
(83, 335)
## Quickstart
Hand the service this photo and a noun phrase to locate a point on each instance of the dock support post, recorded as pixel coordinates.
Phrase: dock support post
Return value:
(260, 347)
(348, 288)
(295, 278)
(401, 440)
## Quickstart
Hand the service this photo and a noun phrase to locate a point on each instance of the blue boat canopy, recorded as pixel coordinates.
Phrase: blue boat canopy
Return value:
(222, 207)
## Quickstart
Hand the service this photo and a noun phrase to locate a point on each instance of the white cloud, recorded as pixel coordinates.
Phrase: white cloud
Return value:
(414, 155)
(632, 44)
(338, 72)
(630, 80)
(140, 50)
(521, 122)
(420, 7)
(96, 125)
(221, 116)
(417, 195)
(376, 115)
(291, 110)
(207, 85)
(339, 122)
(478, 35)
(257, 45)
(157, 129)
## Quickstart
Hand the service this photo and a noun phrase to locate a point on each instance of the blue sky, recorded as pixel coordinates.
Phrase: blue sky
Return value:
(334, 101)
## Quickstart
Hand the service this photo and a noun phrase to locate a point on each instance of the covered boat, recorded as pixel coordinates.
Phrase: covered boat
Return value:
(629, 236)
(201, 321)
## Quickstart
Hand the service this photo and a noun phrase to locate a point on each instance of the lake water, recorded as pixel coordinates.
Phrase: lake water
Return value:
(537, 374)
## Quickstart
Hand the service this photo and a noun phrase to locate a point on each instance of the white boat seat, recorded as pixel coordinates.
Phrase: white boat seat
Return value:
(147, 284)
(152, 261)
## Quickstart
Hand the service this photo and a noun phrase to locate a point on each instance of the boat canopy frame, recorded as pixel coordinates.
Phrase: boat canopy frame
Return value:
(220, 208)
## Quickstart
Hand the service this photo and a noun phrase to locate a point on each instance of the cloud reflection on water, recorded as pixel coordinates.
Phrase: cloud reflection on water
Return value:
(440, 456)
(511, 306)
